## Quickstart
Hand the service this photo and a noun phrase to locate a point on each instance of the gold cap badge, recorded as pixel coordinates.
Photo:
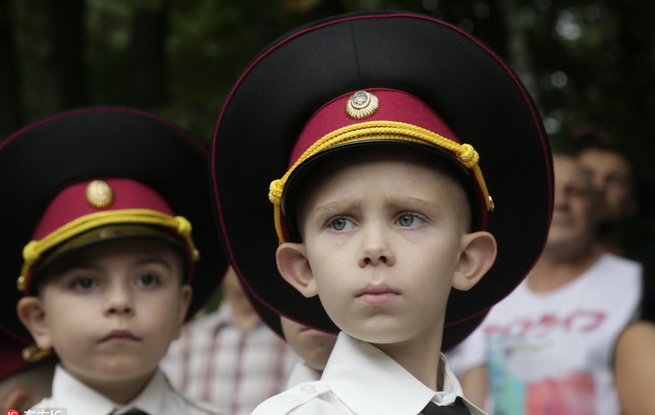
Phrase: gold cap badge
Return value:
(361, 105)
(99, 194)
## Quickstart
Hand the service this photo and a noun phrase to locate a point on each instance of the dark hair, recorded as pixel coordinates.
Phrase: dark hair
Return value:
(593, 137)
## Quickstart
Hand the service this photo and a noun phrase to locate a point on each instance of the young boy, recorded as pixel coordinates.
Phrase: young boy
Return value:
(102, 205)
(394, 131)
(312, 346)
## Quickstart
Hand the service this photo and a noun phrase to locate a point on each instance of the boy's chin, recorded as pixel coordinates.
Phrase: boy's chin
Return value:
(385, 336)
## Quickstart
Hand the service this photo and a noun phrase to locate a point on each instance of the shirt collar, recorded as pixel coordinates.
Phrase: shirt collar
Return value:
(302, 373)
(78, 398)
(155, 398)
(354, 363)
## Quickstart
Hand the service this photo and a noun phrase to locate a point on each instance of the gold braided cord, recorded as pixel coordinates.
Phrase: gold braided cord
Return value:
(34, 249)
(380, 130)
(33, 354)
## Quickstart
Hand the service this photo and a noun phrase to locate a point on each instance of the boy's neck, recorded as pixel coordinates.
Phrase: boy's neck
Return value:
(420, 359)
(120, 392)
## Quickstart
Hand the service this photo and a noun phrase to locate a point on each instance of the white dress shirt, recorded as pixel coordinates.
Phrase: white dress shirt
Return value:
(302, 373)
(360, 379)
(73, 397)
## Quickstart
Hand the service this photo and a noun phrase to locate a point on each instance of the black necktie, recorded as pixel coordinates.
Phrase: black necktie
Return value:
(133, 411)
(458, 408)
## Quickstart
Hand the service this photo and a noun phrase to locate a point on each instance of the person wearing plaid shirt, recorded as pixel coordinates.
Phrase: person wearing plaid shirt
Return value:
(229, 357)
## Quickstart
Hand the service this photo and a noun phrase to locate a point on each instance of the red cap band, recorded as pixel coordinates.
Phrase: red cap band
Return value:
(394, 105)
(74, 202)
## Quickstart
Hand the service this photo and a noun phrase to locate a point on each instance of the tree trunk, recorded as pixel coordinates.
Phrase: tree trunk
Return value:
(147, 73)
(57, 27)
(11, 117)
(518, 50)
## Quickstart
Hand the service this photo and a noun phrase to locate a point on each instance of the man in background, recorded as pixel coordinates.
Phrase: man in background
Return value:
(548, 347)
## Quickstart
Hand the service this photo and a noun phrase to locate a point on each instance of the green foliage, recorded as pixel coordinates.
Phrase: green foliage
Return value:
(591, 60)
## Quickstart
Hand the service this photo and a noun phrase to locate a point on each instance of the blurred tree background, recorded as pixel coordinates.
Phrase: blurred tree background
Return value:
(585, 61)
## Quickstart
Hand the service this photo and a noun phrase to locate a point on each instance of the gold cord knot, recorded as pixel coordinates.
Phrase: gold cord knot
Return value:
(183, 226)
(467, 155)
(275, 191)
(33, 354)
(21, 283)
(184, 229)
(31, 253)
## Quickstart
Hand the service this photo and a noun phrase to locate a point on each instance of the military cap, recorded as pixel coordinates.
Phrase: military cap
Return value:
(94, 174)
(371, 79)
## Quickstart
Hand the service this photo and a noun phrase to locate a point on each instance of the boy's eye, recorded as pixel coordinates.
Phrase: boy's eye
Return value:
(148, 279)
(340, 224)
(407, 220)
(83, 283)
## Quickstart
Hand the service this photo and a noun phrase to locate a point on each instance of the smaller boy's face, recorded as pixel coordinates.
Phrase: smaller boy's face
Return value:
(111, 312)
(383, 239)
(313, 346)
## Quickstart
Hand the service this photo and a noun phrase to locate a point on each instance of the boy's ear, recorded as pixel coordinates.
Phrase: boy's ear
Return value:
(31, 314)
(478, 255)
(183, 306)
(295, 269)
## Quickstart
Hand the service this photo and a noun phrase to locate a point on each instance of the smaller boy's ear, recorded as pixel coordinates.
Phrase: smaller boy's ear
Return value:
(31, 314)
(478, 255)
(295, 269)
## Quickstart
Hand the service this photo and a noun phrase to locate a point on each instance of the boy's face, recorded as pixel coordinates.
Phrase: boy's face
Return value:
(111, 312)
(384, 241)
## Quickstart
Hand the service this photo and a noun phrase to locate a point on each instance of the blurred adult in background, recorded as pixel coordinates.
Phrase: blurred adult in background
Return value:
(229, 357)
(548, 347)
(615, 177)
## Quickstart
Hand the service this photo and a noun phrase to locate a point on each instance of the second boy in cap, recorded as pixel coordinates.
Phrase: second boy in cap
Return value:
(102, 205)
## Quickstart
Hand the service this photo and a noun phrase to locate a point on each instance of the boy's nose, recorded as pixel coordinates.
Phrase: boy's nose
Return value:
(118, 301)
(376, 249)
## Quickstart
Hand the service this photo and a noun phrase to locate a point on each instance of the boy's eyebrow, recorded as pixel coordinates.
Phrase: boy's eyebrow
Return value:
(336, 205)
(153, 258)
(346, 203)
(420, 202)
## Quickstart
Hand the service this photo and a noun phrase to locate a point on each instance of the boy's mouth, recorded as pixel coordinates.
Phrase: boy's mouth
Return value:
(119, 336)
(377, 294)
